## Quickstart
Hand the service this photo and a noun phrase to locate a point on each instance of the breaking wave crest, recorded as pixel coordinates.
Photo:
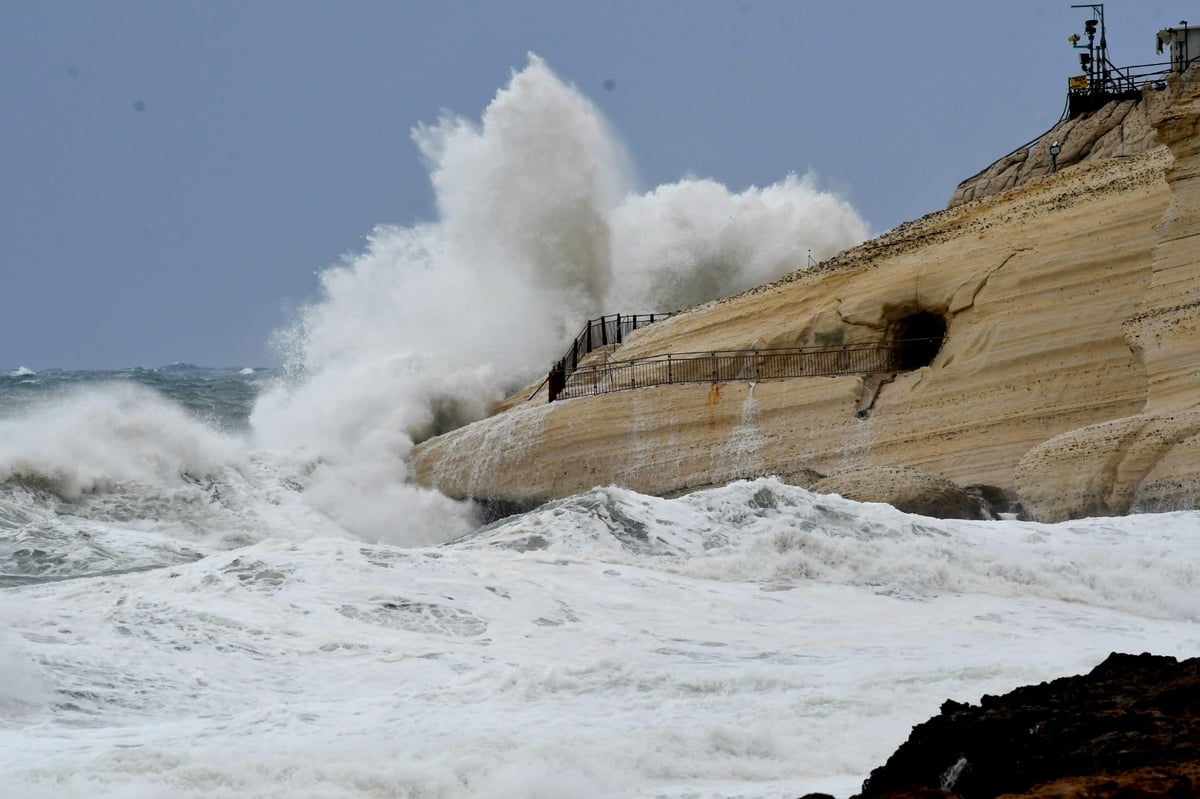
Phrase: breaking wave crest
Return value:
(95, 438)
(766, 531)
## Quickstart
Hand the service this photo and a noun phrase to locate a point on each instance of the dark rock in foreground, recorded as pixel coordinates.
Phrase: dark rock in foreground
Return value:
(1130, 728)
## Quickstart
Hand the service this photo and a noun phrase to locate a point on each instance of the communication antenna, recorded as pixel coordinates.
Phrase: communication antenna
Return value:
(1095, 61)
(1101, 81)
(811, 262)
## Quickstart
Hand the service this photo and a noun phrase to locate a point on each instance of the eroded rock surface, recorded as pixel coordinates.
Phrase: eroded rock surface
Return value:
(1147, 461)
(1033, 293)
(1129, 728)
(910, 490)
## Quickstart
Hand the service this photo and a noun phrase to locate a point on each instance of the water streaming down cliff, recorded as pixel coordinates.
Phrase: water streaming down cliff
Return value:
(539, 227)
(740, 456)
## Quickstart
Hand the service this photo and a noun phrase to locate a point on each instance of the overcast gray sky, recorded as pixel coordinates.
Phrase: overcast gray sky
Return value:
(175, 173)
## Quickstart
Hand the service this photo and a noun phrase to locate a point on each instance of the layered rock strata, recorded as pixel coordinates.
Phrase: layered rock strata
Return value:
(909, 490)
(1033, 285)
(1151, 460)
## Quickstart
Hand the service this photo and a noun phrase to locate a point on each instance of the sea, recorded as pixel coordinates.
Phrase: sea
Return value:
(223, 583)
(176, 619)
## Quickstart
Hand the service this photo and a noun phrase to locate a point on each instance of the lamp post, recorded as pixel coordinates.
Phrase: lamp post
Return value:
(1055, 149)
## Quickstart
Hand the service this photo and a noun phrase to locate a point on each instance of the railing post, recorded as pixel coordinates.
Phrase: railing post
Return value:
(784, 363)
(556, 381)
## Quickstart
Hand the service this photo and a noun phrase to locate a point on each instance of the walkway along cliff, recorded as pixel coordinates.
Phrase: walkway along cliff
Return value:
(1068, 376)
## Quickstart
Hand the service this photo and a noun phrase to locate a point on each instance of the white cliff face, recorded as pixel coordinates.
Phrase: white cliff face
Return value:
(1034, 295)
(1068, 376)
(1147, 461)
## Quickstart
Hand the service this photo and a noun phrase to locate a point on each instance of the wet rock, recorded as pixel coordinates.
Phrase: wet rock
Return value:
(1129, 728)
(909, 490)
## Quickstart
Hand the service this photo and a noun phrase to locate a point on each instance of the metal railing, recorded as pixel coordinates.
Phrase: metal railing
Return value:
(726, 366)
(597, 333)
(1119, 83)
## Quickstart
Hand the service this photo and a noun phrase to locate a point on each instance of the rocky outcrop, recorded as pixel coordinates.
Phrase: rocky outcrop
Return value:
(1119, 129)
(1069, 374)
(909, 490)
(1129, 728)
(1143, 463)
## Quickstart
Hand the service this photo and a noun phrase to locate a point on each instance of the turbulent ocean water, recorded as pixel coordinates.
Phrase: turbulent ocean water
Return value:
(220, 583)
(177, 619)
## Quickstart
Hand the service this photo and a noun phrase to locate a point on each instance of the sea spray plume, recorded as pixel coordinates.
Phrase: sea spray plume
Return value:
(694, 241)
(526, 196)
(421, 331)
(434, 323)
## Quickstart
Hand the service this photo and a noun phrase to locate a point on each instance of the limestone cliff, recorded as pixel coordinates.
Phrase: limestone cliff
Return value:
(1150, 460)
(1070, 305)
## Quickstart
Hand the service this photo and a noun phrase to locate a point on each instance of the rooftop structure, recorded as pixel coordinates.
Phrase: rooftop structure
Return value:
(1102, 81)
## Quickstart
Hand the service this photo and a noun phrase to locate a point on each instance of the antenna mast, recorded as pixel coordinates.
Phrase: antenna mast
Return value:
(1101, 80)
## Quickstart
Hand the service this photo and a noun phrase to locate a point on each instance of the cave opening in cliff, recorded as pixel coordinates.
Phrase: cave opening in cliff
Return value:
(918, 338)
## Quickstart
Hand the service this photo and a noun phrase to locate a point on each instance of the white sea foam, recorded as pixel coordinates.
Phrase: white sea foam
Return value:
(764, 530)
(538, 229)
(608, 645)
(22, 685)
(21, 371)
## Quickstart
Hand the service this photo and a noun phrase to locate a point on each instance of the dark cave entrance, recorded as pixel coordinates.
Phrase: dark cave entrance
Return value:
(918, 339)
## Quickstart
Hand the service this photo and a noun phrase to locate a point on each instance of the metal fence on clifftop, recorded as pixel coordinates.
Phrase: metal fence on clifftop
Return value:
(723, 366)
(597, 333)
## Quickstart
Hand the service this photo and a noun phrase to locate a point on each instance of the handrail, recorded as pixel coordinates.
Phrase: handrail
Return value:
(1119, 83)
(1124, 79)
(732, 365)
(597, 333)
(540, 386)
